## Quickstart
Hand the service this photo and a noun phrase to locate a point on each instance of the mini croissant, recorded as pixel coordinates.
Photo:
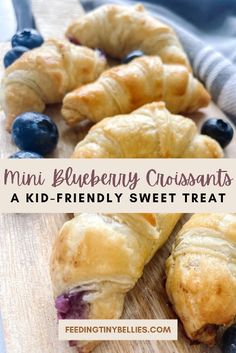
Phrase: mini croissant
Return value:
(120, 29)
(44, 75)
(149, 132)
(98, 258)
(201, 275)
(124, 88)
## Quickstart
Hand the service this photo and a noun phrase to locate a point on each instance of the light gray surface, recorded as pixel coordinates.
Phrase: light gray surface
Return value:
(7, 29)
(2, 344)
(7, 20)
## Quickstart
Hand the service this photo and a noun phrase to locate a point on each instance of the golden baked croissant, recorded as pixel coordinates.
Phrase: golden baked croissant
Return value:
(44, 75)
(201, 275)
(120, 29)
(98, 258)
(149, 132)
(124, 88)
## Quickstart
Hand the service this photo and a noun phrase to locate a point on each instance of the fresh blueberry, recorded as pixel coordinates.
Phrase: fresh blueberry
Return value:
(131, 56)
(25, 155)
(13, 54)
(35, 132)
(28, 38)
(219, 130)
(228, 342)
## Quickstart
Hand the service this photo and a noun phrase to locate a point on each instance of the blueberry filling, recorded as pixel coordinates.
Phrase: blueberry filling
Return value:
(74, 40)
(72, 343)
(71, 306)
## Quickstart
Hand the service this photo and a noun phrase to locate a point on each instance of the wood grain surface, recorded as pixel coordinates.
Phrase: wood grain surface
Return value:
(27, 309)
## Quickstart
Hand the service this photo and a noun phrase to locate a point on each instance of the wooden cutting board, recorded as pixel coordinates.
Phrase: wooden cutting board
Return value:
(27, 309)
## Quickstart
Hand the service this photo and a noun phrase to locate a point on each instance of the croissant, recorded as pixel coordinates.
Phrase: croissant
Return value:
(98, 258)
(149, 132)
(44, 75)
(201, 275)
(120, 29)
(124, 88)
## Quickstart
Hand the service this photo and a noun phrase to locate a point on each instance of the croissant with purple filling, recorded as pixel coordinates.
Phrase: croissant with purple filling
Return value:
(98, 258)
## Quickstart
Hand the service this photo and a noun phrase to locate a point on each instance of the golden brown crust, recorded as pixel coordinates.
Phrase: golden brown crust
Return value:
(201, 275)
(124, 88)
(149, 132)
(106, 254)
(44, 75)
(120, 29)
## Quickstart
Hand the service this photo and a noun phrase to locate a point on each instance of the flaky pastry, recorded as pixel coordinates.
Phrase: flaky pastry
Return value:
(201, 275)
(98, 258)
(124, 88)
(149, 132)
(44, 75)
(120, 29)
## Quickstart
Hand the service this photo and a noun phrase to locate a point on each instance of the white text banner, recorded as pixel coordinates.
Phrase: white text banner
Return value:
(117, 185)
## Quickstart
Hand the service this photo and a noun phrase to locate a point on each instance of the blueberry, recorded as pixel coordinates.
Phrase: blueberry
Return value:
(35, 132)
(228, 342)
(131, 56)
(13, 54)
(25, 155)
(219, 130)
(28, 38)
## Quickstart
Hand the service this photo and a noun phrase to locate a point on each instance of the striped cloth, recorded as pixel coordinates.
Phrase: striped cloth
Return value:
(209, 61)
